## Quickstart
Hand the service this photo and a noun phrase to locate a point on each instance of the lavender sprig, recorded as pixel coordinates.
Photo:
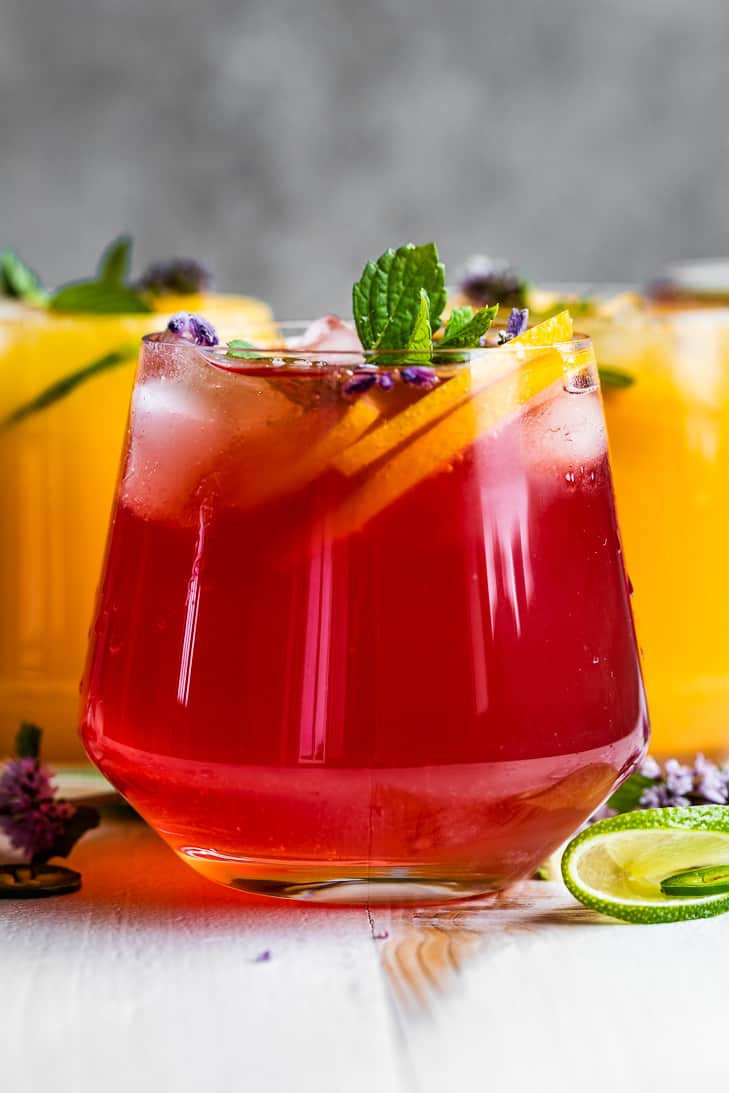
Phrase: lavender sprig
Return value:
(516, 324)
(491, 281)
(38, 823)
(673, 785)
(178, 275)
(30, 815)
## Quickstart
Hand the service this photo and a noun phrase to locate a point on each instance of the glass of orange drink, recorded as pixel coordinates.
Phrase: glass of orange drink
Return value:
(66, 377)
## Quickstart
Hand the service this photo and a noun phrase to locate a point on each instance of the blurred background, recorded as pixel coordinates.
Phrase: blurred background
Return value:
(285, 141)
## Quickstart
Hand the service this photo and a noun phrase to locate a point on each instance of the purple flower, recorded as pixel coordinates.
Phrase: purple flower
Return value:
(517, 323)
(183, 276)
(29, 814)
(193, 328)
(650, 768)
(419, 377)
(364, 381)
(359, 384)
(487, 281)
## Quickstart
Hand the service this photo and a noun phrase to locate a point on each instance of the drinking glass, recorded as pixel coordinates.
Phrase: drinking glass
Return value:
(65, 384)
(668, 429)
(364, 630)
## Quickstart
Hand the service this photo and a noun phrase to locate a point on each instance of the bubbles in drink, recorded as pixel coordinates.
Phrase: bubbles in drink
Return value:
(565, 437)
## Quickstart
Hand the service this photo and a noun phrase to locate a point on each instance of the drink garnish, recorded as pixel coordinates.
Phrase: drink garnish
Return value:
(37, 822)
(398, 304)
(650, 867)
(110, 292)
(58, 390)
(493, 281)
(19, 282)
(106, 294)
(178, 276)
(193, 328)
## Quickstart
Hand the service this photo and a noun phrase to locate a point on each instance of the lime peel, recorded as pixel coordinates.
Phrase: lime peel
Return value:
(618, 865)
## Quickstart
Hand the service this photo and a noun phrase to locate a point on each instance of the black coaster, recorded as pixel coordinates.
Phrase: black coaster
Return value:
(36, 881)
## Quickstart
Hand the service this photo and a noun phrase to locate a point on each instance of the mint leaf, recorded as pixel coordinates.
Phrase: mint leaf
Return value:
(420, 341)
(244, 350)
(386, 300)
(115, 261)
(28, 741)
(614, 377)
(467, 335)
(97, 298)
(63, 387)
(627, 798)
(458, 318)
(19, 281)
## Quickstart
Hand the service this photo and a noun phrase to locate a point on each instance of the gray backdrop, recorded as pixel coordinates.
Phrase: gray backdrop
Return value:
(288, 140)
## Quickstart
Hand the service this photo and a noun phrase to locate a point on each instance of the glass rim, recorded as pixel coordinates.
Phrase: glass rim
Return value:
(371, 359)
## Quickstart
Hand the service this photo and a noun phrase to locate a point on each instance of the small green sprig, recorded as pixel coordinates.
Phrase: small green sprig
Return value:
(398, 304)
(108, 293)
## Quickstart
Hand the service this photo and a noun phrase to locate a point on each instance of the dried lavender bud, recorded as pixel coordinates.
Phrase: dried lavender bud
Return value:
(517, 323)
(184, 276)
(359, 384)
(385, 381)
(194, 328)
(487, 281)
(419, 377)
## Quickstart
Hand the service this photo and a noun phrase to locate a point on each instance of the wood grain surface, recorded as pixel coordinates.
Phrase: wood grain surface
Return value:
(152, 979)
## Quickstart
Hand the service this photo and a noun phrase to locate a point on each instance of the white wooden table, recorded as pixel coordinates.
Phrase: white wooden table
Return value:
(153, 979)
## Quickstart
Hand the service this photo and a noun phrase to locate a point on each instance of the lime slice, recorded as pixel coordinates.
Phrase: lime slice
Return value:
(619, 866)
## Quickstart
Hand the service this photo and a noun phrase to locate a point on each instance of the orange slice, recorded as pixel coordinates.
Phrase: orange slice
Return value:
(550, 332)
(428, 409)
(441, 444)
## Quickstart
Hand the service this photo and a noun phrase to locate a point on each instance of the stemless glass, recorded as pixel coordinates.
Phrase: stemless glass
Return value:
(65, 382)
(364, 630)
(669, 445)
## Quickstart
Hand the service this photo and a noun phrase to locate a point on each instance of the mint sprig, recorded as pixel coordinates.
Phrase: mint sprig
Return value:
(387, 298)
(64, 386)
(19, 281)
(107, 293)
(468, 329)
(615, 377)
(398, 304)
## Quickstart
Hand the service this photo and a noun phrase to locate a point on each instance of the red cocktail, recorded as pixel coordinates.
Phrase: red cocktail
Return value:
(364, 634)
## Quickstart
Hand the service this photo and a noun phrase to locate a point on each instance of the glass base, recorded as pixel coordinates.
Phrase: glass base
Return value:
(358, 885)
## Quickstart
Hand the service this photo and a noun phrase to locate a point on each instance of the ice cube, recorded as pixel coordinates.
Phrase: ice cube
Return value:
(330, 334)
(183, 426)
(565, 432)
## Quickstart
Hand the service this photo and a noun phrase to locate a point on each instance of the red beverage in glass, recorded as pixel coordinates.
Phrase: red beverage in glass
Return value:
(365, 644)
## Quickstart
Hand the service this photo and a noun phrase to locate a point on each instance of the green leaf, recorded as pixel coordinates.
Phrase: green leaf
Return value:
(614, 377)
(115, 262)
(63, 387)
(84, 818)
(19, 281)
(246, 351)
(458, 318)
(420, 340)
(97, 298)
(468, 335)
(627, 798)
(28, 741)
(387, 298)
